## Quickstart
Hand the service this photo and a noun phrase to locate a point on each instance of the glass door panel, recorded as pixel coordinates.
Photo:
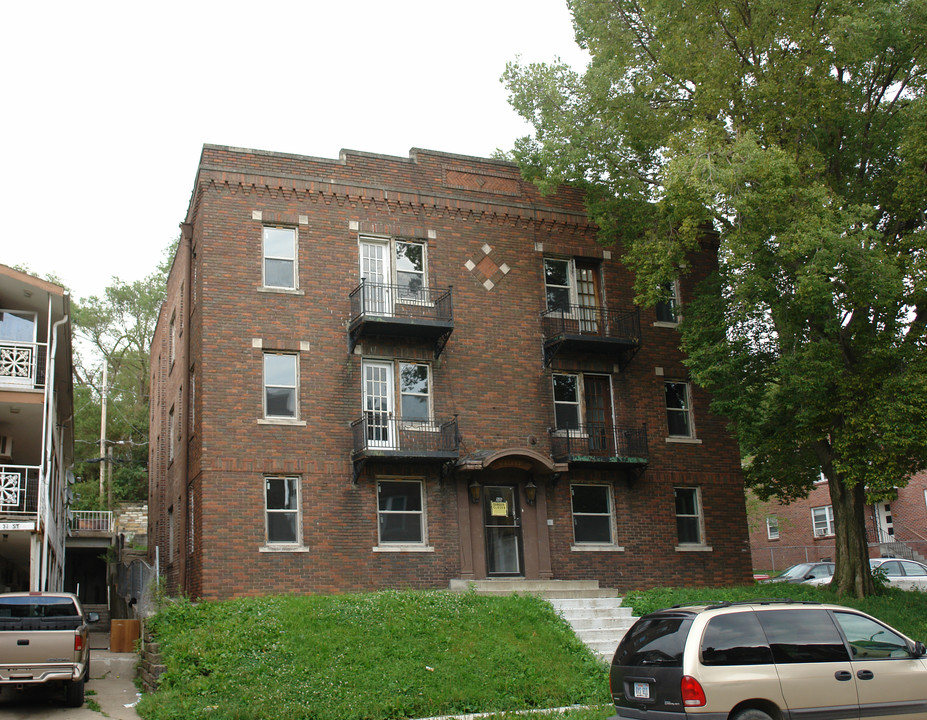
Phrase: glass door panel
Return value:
(378, 404)
(502, 524)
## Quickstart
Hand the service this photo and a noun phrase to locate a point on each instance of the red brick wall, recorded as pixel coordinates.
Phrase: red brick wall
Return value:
(491, 375)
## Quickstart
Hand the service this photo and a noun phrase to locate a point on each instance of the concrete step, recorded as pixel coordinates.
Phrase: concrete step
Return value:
(600, 622)
(506, 586)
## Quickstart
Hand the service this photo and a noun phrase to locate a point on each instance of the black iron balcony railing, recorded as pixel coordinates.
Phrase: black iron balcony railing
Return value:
(591, 329)
(410, 310)
(600, 443)
(380, 435)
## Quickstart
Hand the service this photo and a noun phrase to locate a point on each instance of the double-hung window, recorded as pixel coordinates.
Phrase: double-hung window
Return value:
(400, 512)
(668, 307)
(592, 514)
(281, 496)
(566, 401)
(393, 271)
(822, 521)
(688, 516)
(678, 409)
(279, 250)
(772, 527)
(281, 384)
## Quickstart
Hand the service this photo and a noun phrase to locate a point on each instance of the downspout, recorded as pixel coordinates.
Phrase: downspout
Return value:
(46, 446)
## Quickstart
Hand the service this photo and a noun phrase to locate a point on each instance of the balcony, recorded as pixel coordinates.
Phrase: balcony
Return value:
(601, 444)
(402, 311)
(599, 330)
(22, 365)
(19, 491)
(90, 522)
(383, 437)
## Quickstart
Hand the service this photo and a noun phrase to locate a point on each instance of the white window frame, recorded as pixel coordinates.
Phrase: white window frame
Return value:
(399, 546)
(686, 411)
(698, 515)
(414, 424)
(772, 527)
(294, 387)
(822, 521)
(578, 404)
(570, 287)
(391, 297)
(265, 257)
(293, 484)
(670, 305)
(609, 513)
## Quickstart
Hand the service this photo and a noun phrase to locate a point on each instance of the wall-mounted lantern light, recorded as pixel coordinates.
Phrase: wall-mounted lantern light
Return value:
(531, 492)
(474, 489)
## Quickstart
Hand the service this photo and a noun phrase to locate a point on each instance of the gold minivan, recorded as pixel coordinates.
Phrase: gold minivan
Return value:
(767, 660)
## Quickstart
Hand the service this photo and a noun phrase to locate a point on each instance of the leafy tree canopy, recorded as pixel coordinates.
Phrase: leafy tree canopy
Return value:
(790, 135)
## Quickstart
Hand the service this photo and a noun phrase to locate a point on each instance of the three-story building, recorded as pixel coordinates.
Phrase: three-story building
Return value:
(380, 372)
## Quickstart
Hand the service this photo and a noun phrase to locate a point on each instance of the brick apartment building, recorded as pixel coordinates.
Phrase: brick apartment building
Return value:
(782, 535)
(378, 372)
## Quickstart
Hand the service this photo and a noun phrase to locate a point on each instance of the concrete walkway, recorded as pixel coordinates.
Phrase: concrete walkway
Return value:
(111, 687)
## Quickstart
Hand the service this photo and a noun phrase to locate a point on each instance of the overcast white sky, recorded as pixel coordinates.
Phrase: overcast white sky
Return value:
(107, 104)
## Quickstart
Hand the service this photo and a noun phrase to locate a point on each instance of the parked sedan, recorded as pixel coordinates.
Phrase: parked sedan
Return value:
(905, 574)
(822, 571)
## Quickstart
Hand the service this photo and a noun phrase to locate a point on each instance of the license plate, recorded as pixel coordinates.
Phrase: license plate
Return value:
(642, 691)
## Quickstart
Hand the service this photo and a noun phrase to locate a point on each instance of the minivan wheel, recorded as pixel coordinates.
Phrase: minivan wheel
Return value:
(751, 714)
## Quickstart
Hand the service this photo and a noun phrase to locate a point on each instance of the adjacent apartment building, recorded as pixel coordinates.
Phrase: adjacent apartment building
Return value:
(36, 430)
(376, 372)
(782, 535)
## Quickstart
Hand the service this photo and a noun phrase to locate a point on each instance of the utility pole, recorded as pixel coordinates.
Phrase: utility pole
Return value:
(103, 393)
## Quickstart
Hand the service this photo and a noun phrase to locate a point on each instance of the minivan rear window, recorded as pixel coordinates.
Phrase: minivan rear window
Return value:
(655, 641)
(803, 636)
(735, 639)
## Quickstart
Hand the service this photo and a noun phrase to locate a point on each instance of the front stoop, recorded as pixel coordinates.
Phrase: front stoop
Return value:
(595, 614)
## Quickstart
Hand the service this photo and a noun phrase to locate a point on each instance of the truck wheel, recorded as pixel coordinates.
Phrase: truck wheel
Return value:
(75, 693)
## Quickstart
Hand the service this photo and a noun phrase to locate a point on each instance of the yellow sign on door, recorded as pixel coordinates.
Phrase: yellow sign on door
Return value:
(499, 509)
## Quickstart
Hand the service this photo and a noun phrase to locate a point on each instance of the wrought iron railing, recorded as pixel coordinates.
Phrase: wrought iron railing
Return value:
(401, 301)
(96, 521)
(19, 490)
(22, 364)
(602, 441)
(592, 321)
(405, 437)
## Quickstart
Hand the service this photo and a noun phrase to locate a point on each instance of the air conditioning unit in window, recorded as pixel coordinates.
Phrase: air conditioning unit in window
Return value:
(6, 447)
(820, 532)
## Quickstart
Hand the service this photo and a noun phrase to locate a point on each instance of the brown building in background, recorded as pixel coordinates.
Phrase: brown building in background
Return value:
(378, 372)
(802, 531)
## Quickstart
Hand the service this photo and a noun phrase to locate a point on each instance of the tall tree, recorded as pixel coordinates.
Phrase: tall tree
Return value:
(117, 329)
(790, 136)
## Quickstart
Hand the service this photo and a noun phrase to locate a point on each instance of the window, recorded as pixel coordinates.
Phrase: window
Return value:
(822, 520)
(772, 527)
(667, 308)
(280, 384)
(735, 639)
(652, 641)
(282, 502)
(393, 271)
(558, 283)
(678, 409)
(414, 392)
(566, 401)
(170, 534)
(280, 258)
(688, 516)
(17, 326)
(400, 512)
(383, 411)
(172, 331)
(592, 514)
(871, 640)
(170, 435)
(803, 636)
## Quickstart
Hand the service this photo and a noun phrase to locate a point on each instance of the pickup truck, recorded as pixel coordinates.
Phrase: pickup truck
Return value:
(43, 639)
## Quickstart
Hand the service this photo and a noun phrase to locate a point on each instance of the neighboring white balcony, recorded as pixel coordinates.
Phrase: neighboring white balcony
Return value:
(22, 365)
(90, 521)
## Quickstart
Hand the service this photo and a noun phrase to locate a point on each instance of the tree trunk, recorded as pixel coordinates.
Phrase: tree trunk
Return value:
(852, 575)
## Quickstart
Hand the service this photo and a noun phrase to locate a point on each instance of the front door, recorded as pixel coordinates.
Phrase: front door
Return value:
(502, 525)
(885, 525)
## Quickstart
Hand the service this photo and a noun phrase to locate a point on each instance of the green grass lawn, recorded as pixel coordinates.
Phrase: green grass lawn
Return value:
(379, 655)
(413, 654)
